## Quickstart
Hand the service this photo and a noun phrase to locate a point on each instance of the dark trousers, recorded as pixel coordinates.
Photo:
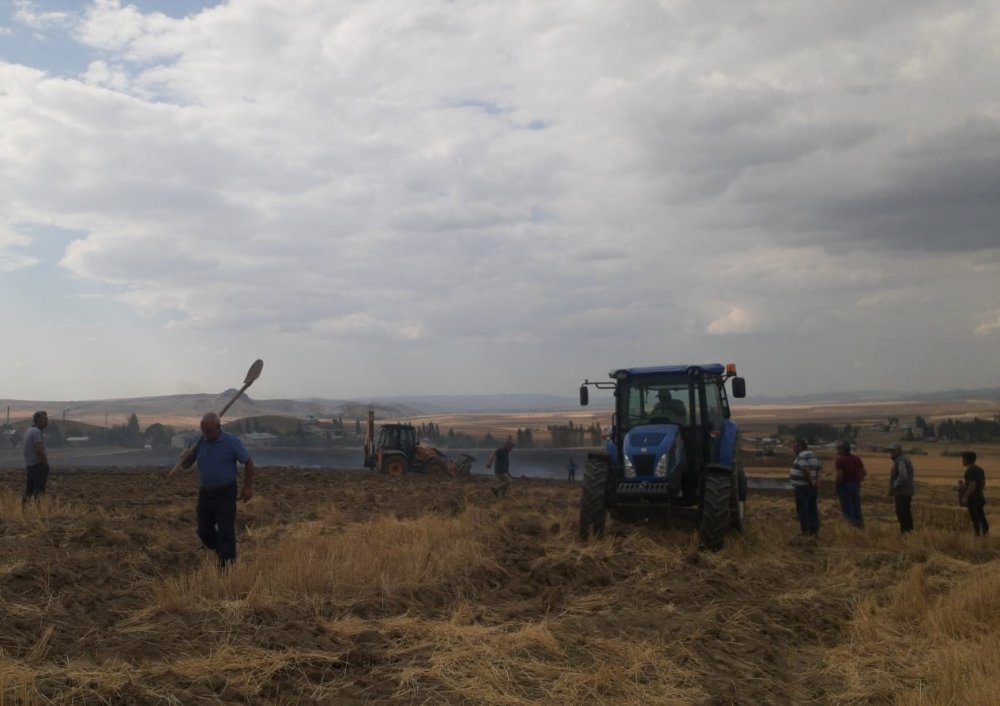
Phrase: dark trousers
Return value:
(35, 479)
(807, 508)
(217, 521)
(977, 511)
(903, 513)
(850, 503)
(503, 483)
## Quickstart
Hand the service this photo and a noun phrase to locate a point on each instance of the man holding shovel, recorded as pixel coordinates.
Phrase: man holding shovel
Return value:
(216, 454)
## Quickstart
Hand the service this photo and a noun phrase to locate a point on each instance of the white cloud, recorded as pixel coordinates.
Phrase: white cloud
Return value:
(736, 320)
(550, 186)
(26, 12)
(988, 328)
(10, 242)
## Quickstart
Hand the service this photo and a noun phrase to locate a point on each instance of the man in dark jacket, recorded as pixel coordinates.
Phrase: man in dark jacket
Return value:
(973, 493)
(502, 458)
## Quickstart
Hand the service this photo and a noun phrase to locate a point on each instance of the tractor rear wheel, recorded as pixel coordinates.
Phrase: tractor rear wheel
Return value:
(395, 466)
(715, 512)
(593, 505)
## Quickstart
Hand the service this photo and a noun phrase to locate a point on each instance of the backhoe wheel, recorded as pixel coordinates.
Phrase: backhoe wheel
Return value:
(436, 467)
(593, 510)
(715, 512)
(738, 501)
(395, 466)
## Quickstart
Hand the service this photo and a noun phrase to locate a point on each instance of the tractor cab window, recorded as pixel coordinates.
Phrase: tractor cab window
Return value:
(655, 400)
(715, 405)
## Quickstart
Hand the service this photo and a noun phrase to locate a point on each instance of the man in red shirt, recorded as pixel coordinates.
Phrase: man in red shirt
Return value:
(850, 473)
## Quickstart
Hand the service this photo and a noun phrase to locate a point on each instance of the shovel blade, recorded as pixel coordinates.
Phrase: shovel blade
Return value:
(254, 372)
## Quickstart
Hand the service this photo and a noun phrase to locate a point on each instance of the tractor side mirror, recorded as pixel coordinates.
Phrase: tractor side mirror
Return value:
(739, 387)
(584, 396)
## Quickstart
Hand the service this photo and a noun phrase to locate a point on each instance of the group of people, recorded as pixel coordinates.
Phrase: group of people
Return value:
(806, 468)
(218, 452)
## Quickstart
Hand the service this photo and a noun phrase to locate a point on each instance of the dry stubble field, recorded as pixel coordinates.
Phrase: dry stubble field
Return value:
(355, 589)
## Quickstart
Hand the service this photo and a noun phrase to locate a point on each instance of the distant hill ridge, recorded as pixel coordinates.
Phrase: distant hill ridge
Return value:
(192, 405)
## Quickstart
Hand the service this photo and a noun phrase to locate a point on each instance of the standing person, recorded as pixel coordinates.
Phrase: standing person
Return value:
(850, 473)
(36, 460)
(502, 458)
(571, 470)
(804, 478)
(974, 493)
(216, 454)
(901, 487)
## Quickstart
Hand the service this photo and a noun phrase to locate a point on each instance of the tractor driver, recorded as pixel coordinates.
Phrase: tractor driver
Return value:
(667, 407)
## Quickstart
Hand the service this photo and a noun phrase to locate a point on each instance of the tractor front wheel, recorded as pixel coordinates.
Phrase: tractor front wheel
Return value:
(715, 510)
(593, 505)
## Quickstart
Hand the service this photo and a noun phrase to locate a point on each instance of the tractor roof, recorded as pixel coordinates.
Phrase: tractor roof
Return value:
(707, 368)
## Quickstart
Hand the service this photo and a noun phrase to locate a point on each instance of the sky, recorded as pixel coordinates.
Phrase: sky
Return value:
(383, 197)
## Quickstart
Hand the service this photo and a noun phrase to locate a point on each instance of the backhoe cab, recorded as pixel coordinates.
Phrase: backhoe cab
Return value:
(397, 452)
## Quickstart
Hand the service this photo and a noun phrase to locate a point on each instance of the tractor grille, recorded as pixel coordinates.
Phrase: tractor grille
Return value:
(626, 490)
(644, 464)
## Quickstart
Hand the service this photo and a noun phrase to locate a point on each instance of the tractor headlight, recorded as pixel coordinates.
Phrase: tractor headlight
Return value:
(661, 467)
(629, 468)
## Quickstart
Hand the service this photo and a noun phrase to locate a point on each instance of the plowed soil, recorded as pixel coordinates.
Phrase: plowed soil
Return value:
(353, 588)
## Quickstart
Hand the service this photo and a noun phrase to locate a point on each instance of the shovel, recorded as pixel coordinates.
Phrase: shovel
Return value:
(252, 374)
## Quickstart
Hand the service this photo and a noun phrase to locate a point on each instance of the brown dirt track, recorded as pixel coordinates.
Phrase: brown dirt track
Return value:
(355, 588)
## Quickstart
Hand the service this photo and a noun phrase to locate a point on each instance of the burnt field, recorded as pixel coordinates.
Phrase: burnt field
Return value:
(355, 588)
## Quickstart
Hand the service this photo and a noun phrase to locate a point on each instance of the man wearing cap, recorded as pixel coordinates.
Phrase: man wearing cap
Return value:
(901, 487)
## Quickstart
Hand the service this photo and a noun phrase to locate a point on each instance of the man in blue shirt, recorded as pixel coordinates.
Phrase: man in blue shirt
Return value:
(217, 453)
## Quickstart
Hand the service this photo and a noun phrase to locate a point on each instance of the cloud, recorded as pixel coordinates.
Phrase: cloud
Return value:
(10, 240)
(736, 320)
(547, 186)
(26, 13)
(988, 328)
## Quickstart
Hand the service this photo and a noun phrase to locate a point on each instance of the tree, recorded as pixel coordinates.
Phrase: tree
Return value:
(158, 435)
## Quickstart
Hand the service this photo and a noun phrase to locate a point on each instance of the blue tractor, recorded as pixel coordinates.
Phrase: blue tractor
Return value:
(671, 445)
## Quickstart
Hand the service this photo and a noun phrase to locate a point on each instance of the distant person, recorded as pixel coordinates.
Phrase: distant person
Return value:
(571, 470)
(216, 454)
(804, 478)
(850, 473)
(973, 493)
(502, 458)
(901, 487)
(36, 460)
